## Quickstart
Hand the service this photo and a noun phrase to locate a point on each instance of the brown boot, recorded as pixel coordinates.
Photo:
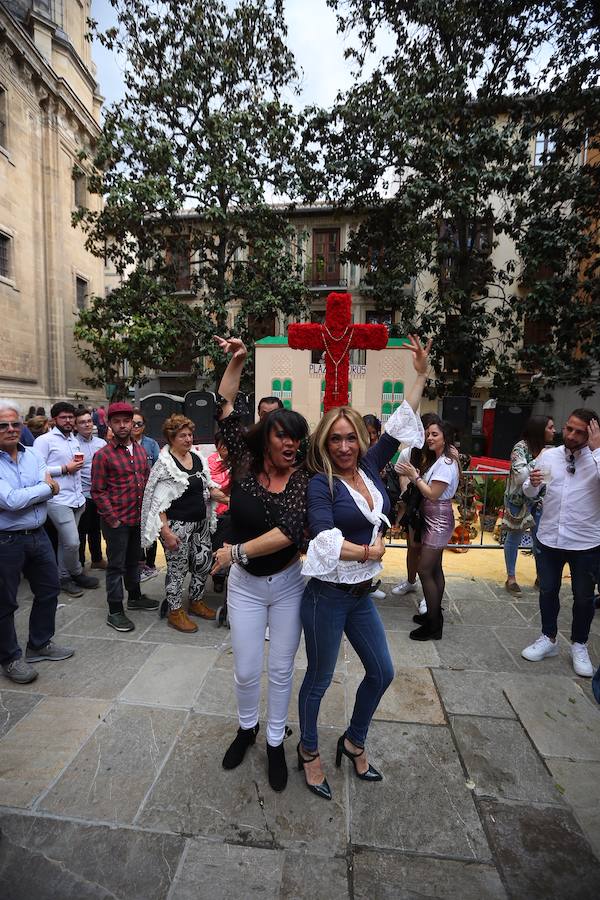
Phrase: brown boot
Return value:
(199, 608)
(180, 621)
(100, 564)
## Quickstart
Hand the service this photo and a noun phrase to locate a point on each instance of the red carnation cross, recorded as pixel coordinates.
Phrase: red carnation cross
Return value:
(336, 337)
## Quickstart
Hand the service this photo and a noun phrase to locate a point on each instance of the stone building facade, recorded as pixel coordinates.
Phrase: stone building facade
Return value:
(49, 112)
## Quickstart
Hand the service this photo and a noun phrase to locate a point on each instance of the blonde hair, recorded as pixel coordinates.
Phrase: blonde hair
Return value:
(318, 460)
(174, 424)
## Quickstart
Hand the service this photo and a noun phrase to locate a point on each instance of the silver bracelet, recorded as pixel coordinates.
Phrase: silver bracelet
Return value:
(242, 555)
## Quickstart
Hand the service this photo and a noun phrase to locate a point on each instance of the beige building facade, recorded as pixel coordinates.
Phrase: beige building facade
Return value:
(49, 113)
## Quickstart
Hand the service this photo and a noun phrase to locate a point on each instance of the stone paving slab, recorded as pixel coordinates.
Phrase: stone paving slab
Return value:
(38, 748)
(397, 876)
(486, 612)
(92, 623)
(501, 761)
(14, 706)
(109, 778)
(208, 635)
(580, 784)
(541, 852)
(99, 669)
(47, 859)
(473, 647)
(558, 717)
(171, 676)
(469, 589)
(418, 762)
(227, 871)
(411, 697)
(473, 693)
(195, 796)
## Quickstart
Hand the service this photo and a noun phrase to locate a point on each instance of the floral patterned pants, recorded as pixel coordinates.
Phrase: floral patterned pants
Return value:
(194, 555)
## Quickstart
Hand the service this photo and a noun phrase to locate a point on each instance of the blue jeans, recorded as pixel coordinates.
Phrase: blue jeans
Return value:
(326, 614)
(513, 539)
(584, 566)
(33, 556)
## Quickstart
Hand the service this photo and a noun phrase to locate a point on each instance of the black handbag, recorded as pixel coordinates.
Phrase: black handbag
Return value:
(413, 515)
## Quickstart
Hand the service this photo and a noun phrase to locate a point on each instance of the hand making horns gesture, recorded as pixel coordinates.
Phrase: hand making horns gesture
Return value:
(420, 353)
(235, 346)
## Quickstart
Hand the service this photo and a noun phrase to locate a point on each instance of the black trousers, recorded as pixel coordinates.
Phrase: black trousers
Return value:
(89, 528)
(123, 547)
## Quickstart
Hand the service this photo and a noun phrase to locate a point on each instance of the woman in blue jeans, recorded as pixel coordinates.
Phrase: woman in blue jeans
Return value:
(519, 513)
(347, 510)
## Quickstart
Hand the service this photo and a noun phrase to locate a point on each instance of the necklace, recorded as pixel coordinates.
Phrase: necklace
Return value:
(336, 362)
(342, 335)
(353, 479)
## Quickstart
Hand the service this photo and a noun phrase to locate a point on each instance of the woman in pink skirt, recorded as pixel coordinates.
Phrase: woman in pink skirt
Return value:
(437, 484)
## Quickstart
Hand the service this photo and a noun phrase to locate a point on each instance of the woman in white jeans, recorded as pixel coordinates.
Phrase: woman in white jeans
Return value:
(265, 586)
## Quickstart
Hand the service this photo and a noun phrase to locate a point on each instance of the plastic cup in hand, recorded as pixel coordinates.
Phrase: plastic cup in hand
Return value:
(78, 457)
(546, 473)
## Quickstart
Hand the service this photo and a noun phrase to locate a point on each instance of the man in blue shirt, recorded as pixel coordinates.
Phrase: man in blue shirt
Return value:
(25, 488)
(60, 450)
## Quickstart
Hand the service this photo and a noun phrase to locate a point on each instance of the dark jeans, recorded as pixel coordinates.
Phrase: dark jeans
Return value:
(89, 527)
(33, 556)
(326, 614)
(584, 566)
(123, 547)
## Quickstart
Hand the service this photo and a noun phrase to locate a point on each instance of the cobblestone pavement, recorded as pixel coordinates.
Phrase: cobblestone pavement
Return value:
(111, 782)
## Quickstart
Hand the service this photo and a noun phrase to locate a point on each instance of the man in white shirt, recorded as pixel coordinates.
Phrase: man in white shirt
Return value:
(60, 450)
(569, 532)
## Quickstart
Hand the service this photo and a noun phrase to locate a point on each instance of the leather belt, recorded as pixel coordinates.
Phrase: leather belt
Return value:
(22, 530)
(357, 590)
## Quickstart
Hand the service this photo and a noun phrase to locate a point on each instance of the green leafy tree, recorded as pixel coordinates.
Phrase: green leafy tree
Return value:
(184, 164)
(436, 149)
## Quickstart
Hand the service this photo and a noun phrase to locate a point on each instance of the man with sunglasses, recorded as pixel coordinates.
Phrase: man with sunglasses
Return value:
(569, 532)
(60, 450)
(25, 488)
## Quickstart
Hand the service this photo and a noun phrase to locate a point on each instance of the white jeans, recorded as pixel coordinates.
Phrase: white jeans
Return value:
(253, 603)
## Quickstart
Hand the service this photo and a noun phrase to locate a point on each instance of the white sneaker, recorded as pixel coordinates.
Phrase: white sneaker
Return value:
(540, 649)
(581, 660)
(423, 607)
(377, 595)
(405, 587)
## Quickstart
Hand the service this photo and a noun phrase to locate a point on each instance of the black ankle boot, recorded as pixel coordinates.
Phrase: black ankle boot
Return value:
(236, 751)
(429, 631)
(278, 771)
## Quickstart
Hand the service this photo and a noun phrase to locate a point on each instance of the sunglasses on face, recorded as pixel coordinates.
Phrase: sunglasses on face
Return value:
(4, 426)
(138, 424)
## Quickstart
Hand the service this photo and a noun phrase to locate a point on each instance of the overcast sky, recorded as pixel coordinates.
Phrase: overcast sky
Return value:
(312, 37)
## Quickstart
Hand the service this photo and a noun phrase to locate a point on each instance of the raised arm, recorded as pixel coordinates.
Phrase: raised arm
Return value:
(230, 382)
(420, 364)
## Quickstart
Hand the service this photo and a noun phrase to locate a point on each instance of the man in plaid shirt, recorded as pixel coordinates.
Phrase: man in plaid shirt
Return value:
(119, 475)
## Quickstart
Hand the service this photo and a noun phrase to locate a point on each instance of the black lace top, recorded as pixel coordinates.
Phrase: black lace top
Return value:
(255, 510)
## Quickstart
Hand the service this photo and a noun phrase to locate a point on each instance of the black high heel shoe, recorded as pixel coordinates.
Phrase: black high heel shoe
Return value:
(370, 775)
(321, 790)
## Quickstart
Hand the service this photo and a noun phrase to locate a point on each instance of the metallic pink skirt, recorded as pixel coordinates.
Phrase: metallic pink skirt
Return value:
(439, 522)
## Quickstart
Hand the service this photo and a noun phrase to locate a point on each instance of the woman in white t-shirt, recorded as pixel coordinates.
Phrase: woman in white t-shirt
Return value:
(437, 484)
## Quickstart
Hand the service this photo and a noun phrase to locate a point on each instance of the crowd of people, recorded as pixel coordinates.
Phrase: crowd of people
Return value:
(294, 522)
